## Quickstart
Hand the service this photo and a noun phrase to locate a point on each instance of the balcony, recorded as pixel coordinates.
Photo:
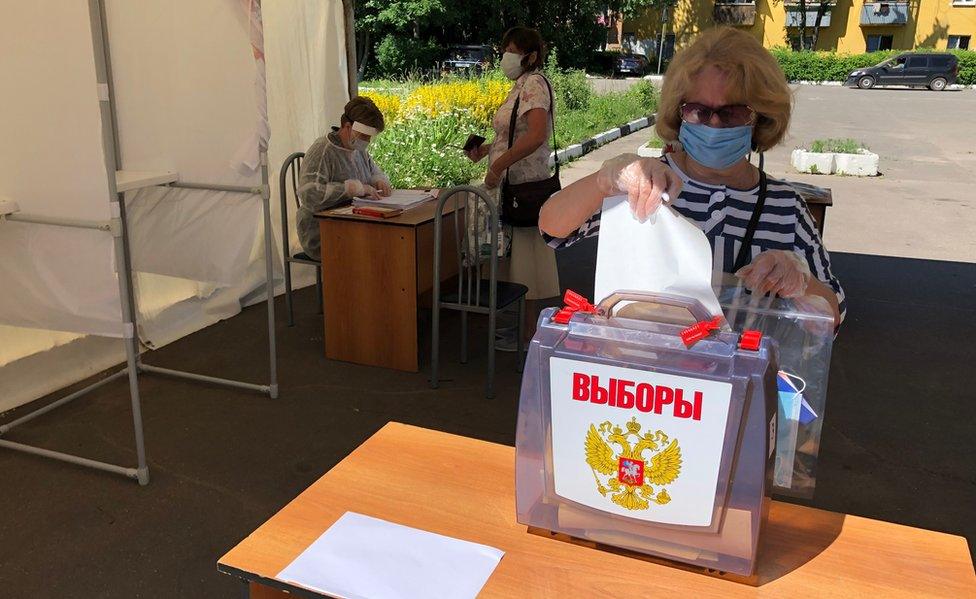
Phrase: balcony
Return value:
(874, 14)
(793, 15)
(737, 14)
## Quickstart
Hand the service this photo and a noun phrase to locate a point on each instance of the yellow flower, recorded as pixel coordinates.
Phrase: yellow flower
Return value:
(389, 104)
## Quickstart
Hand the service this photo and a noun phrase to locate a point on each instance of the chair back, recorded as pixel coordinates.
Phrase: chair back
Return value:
(476, 233)
(288, 179)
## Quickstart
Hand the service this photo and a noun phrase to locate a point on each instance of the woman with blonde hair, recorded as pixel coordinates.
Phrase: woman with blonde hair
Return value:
(723, 97)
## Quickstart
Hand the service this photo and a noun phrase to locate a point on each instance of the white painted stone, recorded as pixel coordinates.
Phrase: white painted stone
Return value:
(638, 124)
(812, 162)
(648, 152)
(863, 164)
(612, 134)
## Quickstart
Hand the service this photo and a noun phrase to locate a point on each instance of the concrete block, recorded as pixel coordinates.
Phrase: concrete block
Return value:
(863, 164)
(812, 162)
(648, 152)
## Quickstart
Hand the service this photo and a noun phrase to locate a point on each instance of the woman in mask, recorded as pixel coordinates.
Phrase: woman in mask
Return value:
(520, 158)
(338, 168)
(723, 97)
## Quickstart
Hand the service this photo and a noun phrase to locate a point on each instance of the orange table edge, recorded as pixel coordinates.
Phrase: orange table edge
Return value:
(465, 488)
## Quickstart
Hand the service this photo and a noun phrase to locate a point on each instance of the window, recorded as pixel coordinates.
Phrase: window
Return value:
(880, 42)
(916, 62)
(939, 62)
(958, 42)
(964, 2)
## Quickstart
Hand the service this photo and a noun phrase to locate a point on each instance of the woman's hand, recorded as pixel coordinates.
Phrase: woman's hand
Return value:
(646, 181)
(357, 189)
(492, 178)
(781, 272)
(476, 154)
(383, 187)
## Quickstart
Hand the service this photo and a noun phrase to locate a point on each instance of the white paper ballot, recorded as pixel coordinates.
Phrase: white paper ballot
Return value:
(364, 557)
(665, 253)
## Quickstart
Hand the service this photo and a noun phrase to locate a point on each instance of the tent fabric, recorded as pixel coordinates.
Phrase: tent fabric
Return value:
(52, 164)
(187, 78)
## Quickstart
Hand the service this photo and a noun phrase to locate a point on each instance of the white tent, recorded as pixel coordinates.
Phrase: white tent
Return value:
(170, 103)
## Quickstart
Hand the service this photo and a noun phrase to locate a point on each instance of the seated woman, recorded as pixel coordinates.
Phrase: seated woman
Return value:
(338, 168)
(723, 97)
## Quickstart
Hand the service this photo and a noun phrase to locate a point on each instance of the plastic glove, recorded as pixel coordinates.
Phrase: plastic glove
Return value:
(383, 187)
(781, 272)
(646, 181)
(358, 189)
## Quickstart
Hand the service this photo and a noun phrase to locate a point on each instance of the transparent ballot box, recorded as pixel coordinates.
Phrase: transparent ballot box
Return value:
(631, 437)
(804, 331)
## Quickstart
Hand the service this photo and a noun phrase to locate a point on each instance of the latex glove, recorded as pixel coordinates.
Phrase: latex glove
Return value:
(781, 272)
(383, 187)
(492, 179)
(358, 189)
(646, 181)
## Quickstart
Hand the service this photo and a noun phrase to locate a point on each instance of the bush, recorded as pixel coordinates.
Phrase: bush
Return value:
(840, 146)
(647, 95)
(397, 56)
(830, 66)
(572, 90)
(478, 98)
(389, 104)
(417, 152)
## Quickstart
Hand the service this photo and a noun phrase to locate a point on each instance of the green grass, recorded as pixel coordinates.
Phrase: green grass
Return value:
(655, 142)
(839, 146)
(416, 151)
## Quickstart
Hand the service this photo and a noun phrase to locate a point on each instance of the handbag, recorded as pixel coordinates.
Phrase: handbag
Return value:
(521, 202)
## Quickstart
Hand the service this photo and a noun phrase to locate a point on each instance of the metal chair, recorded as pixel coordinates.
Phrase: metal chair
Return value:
(290, 169)
(470, 291)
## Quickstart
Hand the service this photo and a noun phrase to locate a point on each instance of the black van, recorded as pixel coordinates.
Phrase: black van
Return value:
(934, 71)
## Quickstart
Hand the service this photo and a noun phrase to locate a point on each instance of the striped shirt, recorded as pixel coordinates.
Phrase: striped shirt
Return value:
(723, 213)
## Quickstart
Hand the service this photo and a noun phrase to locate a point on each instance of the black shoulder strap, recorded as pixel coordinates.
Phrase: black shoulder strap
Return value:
(745, 250)
(552, 119)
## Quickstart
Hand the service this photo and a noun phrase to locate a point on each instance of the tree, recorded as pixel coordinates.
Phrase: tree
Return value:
(822, 7)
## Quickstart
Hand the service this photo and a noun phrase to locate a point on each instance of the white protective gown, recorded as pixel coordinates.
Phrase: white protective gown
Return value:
(321, 184)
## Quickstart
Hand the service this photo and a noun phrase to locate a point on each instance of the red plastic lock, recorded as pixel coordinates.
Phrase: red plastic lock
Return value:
(750, 340)
(574, 303)
(700, 330)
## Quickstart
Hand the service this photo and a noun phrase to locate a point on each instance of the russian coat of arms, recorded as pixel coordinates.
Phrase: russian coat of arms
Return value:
(628, 477)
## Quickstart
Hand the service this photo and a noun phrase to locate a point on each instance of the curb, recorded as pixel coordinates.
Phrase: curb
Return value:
(588, 145)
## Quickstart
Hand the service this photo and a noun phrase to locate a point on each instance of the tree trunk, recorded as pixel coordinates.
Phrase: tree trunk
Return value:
(803, 25)
(364, 56)
(822, 9)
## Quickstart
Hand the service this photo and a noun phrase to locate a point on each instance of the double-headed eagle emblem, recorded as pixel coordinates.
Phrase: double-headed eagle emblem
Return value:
(627, 476)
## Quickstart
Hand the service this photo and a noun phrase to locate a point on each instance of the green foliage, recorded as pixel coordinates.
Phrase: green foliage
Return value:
(416, 151)
(397, 56)
(831, 66)
(573, 91)
(647, 95)
(840, 146)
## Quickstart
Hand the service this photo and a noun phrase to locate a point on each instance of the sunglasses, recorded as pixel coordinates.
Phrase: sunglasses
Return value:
(731, 115)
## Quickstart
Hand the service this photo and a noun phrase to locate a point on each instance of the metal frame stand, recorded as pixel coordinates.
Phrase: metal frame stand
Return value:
(118, 227)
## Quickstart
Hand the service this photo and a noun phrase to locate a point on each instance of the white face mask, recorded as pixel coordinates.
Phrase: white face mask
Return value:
(512, 65)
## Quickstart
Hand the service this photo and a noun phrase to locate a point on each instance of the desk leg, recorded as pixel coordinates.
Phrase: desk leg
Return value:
(369, 273)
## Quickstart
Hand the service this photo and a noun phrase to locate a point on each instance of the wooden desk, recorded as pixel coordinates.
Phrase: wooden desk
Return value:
(373, 271)
(464, 488)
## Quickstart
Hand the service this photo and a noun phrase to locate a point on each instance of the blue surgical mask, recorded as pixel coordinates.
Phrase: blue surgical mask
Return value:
(713, 147)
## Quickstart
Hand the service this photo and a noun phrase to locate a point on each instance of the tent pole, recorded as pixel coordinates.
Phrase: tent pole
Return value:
(109, 150)
(117, 152)
(269, 271)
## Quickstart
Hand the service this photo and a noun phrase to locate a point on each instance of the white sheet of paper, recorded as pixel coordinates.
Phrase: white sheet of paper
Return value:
(364, 557)
(399, 198)
(665, 253)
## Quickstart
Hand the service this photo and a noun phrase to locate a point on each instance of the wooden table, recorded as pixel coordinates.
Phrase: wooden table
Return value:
(464, 488)
(373, 271)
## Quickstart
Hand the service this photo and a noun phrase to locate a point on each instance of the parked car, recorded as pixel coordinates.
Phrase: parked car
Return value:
(471, 59)
(630, 64)
(934, 71)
